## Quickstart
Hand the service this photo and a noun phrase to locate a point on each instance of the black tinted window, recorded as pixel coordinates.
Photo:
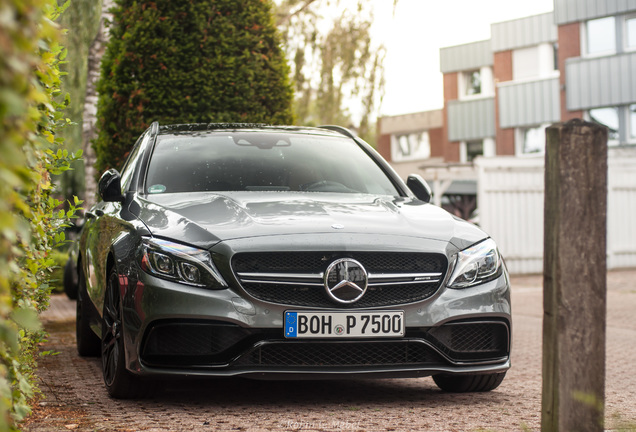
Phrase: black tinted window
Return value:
(230, 161)
(131, 162)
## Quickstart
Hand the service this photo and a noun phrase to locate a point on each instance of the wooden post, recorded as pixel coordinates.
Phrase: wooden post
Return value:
(574, 277)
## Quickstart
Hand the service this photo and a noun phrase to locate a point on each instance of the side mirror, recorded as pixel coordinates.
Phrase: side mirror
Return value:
(110, 186)
(419, 187)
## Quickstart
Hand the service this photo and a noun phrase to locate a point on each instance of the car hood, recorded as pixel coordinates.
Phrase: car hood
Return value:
(204, 219)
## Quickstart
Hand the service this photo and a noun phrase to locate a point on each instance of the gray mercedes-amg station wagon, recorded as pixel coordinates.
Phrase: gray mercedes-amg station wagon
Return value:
(283, 252)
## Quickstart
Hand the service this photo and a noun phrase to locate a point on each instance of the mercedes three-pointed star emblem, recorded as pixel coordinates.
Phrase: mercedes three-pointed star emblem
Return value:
(346, 280)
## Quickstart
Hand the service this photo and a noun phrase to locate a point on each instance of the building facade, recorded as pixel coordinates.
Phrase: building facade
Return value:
(408, 140)
(500, 94)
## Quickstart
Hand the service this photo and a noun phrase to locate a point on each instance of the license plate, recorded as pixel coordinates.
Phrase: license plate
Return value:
(367, 324)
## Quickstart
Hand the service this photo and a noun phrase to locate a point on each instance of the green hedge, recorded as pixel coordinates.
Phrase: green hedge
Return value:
(182, 61)
(30, 222)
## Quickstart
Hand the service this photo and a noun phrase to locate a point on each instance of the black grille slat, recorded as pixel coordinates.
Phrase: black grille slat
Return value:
(338, 354)
(316, 297)
(375, 263)
(308, 262)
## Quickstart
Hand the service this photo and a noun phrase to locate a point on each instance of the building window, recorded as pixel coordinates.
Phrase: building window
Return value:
(600, 36)
(411, 146)
(475, 83)
(534, 62)
(607, 117)
(630, 32)
(531, 140)
(474, 149)
(472, 80)
(525, 63)
(632, 122)
(620, 122)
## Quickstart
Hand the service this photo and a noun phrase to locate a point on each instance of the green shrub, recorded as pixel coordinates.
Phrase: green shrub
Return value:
(30, 222)
(183, 61)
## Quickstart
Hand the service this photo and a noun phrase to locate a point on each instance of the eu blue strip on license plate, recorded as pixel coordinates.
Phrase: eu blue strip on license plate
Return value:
(362, 324)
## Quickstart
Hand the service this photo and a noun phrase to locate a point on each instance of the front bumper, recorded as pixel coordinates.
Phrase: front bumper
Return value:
(210, 348)
(172, 329)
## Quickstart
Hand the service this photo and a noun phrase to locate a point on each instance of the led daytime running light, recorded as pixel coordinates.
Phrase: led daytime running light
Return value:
(478, 264)
(180, 263)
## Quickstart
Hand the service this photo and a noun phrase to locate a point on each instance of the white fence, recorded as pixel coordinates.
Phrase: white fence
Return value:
(511, 200)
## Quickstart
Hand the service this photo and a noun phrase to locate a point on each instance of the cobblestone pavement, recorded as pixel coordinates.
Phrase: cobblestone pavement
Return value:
(74, 397)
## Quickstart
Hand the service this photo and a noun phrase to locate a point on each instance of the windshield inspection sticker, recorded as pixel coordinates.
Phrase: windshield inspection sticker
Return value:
(156, 189)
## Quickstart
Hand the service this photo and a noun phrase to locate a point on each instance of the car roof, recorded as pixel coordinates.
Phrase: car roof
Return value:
(186, 129)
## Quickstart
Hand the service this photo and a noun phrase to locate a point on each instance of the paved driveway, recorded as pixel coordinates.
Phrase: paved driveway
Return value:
(74, 397)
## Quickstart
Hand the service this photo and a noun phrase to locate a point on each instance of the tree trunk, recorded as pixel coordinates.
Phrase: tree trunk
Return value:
(95, 53)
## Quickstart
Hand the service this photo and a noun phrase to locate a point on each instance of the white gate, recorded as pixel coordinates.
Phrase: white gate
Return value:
(511, 199)
(621, 209)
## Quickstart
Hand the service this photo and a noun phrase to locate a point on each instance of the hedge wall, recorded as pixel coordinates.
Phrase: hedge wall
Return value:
(182, 61)
(30, 222)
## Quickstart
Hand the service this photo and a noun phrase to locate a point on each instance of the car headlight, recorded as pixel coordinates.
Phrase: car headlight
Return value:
(478, 264)
(180, 263)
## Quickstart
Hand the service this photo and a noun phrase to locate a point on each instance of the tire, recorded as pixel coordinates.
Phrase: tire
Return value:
(469, 383)
(120, 383)
(88, 343)
(70, 280)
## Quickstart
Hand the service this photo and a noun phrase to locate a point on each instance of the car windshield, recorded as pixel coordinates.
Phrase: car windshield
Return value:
(262, 161)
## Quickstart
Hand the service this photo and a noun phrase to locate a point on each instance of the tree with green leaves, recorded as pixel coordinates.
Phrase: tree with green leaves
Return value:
(183, 61)
(89, 115)
(82, 17)
(337, 66)
(322, 92)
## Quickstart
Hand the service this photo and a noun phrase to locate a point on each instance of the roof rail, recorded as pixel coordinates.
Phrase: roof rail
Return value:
(154, 128)
(343, 130)
(193, 127)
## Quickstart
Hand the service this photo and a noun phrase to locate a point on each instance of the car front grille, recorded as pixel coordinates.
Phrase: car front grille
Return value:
(297, 278)
(340, 354)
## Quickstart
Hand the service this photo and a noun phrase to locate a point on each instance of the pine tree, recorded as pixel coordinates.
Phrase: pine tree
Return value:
(188, 61)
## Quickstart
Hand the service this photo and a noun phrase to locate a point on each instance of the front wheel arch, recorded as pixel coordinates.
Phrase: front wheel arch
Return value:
(119, 381)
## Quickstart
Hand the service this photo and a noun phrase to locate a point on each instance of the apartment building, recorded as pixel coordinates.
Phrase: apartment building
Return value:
(500, 94)
(410, 139)
(599, 79)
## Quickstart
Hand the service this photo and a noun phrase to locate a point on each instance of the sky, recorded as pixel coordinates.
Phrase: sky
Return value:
(419, 28)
